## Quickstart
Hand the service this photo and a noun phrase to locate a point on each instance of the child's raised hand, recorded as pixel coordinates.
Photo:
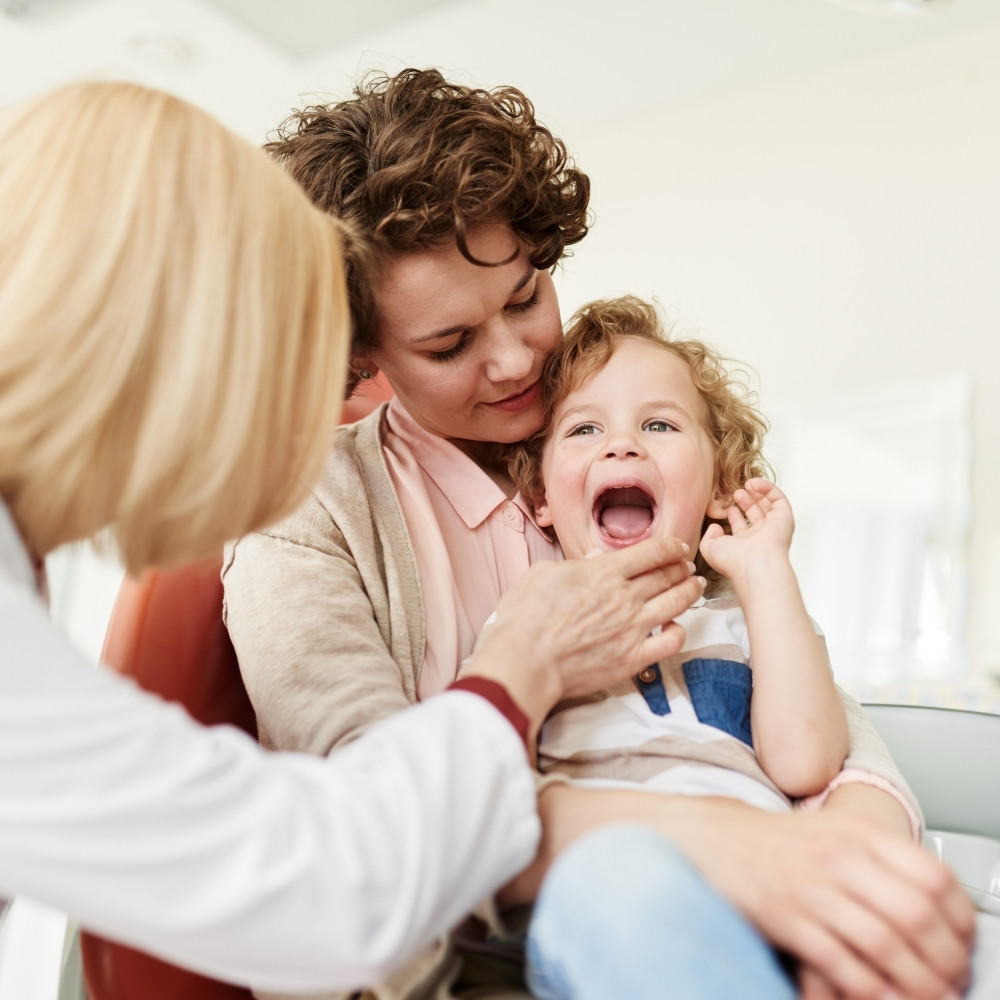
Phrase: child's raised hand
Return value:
(761, 522)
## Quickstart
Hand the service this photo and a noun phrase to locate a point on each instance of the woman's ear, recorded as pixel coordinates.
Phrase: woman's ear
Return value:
(364, 368)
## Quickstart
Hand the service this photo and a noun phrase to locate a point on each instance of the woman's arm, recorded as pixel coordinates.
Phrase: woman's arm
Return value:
(799, 726)
(324, 647)
(282, 871)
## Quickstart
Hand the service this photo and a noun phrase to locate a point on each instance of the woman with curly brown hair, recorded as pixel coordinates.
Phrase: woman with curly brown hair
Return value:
(372, 594)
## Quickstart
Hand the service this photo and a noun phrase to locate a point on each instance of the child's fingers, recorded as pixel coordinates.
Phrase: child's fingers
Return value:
(752, 495)
(765, 488)
(714, 530)
(749, 507)
(738, 520)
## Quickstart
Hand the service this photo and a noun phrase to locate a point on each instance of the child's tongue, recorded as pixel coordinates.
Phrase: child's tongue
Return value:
(626, 521)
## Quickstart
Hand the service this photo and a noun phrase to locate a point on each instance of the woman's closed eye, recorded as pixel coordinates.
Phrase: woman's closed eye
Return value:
(455, 350)
(532, 300)
(465, 339)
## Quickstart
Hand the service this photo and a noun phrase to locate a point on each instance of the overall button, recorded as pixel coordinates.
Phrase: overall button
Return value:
(651, 689)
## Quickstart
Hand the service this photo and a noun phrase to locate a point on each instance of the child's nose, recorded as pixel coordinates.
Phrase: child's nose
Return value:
(624, 444)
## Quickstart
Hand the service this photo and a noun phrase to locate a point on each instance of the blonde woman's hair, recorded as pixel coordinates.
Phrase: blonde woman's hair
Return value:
(734, 423)
(173, 326)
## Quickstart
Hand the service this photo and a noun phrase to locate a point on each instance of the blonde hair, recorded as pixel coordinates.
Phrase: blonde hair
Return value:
(733, 421)
(173, 326)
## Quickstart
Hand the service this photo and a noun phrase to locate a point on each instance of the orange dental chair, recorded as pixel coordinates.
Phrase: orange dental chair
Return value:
(193, 664)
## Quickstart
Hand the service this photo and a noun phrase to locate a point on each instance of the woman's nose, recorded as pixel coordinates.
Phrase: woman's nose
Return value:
(510, 357)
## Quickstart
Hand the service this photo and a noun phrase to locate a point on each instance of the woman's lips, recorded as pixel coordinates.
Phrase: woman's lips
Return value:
(521, 401)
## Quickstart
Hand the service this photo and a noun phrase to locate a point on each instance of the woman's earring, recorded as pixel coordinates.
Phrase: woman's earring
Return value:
(365, 374)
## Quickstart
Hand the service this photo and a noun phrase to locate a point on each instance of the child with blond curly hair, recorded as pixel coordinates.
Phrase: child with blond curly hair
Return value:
(646, 436)
(651, 436)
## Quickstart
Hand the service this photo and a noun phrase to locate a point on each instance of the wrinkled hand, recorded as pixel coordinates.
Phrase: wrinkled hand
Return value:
(868, 913)
(573, 627)
(762, 524)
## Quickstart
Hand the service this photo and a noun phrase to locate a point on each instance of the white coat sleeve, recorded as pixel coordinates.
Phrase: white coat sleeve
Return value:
(281, 871)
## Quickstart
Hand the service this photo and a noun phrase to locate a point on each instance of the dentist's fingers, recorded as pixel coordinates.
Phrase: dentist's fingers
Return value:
(568, 629)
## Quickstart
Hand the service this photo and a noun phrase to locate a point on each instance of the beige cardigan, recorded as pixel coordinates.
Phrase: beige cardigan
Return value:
(326, 614)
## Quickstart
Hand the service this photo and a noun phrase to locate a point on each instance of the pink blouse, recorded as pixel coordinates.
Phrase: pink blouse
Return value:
(470, 540)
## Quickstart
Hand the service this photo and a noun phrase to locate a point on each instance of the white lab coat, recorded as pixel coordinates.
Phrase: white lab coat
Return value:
(282, 871)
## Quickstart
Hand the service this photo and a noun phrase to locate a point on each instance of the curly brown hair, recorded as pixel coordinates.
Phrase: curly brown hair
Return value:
(733, 421)
(412, 161)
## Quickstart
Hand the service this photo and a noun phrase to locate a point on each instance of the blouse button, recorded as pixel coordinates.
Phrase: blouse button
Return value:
(512, 515)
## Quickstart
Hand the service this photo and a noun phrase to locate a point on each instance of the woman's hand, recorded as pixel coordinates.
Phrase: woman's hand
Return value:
(867, 913)
(867, 801)
(571, 628)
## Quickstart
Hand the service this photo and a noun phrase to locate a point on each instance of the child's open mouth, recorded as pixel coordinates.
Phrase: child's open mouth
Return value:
(625, 513)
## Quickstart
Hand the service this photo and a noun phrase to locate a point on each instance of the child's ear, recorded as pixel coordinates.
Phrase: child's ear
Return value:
(718, 506)
(542, 516)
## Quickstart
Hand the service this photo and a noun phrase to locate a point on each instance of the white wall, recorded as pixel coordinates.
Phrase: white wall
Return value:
(817, 190)
(831, 229)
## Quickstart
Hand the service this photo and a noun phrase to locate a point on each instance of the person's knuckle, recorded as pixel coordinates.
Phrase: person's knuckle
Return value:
(840, 967)
(939, 881)
(826, 956)
(922, 917)
(831, 848)
(885, 942)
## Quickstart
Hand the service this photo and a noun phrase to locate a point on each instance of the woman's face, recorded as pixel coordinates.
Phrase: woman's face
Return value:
(463, 345)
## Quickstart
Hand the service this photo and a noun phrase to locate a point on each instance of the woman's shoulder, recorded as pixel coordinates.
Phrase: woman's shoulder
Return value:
(355, 462)
(359, 442)
(353, 490)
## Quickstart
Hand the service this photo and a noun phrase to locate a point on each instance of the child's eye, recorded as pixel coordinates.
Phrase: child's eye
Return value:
(658, 426)
(582, 429)
(452, 352)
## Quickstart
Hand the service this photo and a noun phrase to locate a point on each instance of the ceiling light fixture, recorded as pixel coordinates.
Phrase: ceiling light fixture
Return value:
(159, 49)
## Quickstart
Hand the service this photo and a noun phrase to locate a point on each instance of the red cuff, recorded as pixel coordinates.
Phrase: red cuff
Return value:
(497, 695)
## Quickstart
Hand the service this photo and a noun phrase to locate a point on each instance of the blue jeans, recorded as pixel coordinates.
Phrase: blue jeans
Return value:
(623, 914)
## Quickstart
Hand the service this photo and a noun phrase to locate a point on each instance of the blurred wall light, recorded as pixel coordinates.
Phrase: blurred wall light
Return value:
(903, 7)
(37, 8)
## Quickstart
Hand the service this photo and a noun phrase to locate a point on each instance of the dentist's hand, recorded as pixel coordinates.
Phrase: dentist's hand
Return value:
(570, 628)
